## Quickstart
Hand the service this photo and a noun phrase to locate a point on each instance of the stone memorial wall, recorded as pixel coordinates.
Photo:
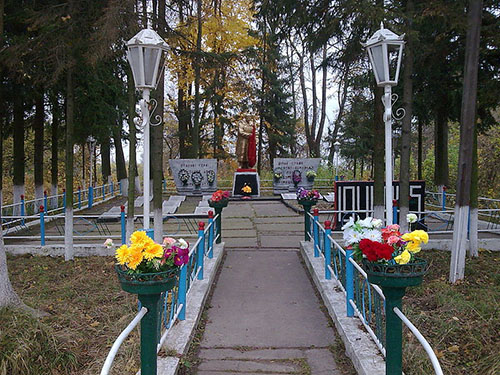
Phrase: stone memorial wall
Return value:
(290, 167)
(194, 176)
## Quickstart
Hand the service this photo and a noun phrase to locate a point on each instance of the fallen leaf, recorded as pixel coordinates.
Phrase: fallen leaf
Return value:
(454, 348)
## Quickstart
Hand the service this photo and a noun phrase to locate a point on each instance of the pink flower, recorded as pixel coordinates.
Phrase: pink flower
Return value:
(182, 257)
(393, 228)
(393, 240)
(168, 241)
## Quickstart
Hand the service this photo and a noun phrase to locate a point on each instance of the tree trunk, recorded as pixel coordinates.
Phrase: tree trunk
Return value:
(419, 156)
(106, 161)
(378, 156)
(441, 169)
(121, 170)
(474, 217)
(38, 145)
(322, 119)
(197, 75)
(54, 168)
(18, 175)
(314, 151)
(132, 164)
(404, 169)
(262, 102)
(309, 140)
(68, 219)
(157, 145)
(467, 124)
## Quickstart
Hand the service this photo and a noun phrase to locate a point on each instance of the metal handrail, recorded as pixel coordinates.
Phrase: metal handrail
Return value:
(118, 342)
(422, 340)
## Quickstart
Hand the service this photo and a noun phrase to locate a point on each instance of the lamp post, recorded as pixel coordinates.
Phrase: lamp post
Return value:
(385, 50)
(144, 54)
(336, 147)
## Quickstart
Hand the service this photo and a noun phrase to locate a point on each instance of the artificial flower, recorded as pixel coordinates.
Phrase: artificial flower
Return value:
(403, 258)
(373, 235)
(108, 243)
(122, 254)
(135, 257)
(168, 241)
(349, 224)
(183, 244)
(153, 250)
(411, 218)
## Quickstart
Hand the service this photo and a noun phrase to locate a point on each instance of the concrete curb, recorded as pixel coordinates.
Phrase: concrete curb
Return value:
(360, 348)
(181, 334)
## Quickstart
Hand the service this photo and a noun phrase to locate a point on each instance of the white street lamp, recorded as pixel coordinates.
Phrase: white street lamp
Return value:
(336, 148)
(144, 55)
(385, 50)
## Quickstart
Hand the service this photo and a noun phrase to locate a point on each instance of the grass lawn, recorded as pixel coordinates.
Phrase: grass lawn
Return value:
(461, 322)
(88, 311)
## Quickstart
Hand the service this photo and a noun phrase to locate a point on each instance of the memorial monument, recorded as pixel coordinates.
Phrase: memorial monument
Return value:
(245, 175)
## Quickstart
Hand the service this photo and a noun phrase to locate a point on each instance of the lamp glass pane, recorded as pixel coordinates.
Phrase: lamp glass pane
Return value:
(150, 56)
(393, 56)
(378, 63)
(133, 58)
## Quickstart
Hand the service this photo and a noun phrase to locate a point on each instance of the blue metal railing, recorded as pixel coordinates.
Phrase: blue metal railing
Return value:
(363, 299)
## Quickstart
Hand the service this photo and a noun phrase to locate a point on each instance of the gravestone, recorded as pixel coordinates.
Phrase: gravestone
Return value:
(194, 176)
(290, 166)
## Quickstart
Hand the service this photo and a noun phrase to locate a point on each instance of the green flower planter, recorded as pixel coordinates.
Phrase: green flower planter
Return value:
(147, 283)
(148, 287)
(396, 275)
(394, 279)
(307, 204)
(218, 206)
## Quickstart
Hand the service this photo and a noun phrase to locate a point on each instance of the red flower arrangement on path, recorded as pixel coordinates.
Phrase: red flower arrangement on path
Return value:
(219, 195)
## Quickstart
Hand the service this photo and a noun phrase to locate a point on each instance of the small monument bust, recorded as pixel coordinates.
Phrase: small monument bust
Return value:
(245, 144)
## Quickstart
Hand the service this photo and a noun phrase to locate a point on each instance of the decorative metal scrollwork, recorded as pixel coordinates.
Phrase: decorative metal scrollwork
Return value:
(156, 120)
(400, 112)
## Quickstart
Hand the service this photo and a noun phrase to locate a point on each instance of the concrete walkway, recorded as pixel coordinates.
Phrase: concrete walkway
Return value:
(264, 317)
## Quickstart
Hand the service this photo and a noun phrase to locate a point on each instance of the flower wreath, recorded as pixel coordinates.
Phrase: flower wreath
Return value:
(196, 177)
(210, 176)
(183, 176)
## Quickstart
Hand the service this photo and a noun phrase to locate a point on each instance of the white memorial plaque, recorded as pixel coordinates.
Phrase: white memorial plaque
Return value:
(194, 176)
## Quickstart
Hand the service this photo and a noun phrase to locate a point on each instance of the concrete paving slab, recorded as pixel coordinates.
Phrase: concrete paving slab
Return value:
(243, 373)
(239, 241)
(273, 210)
(291, 241)
(238, 210)
(236, 223)
(260, 294)
(236, 233)
(267, 353)
(232, 366)
(280, 228)
(321, 361)
(282, 219)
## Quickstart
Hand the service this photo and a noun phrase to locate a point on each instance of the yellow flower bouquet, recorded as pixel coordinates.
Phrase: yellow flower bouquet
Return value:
(145, 257)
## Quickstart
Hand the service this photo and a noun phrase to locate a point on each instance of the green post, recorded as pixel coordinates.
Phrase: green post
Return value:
(393, 331)
(149, 333)
(307, 220)
(394, 279)
(218, 206)
(218, 221)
